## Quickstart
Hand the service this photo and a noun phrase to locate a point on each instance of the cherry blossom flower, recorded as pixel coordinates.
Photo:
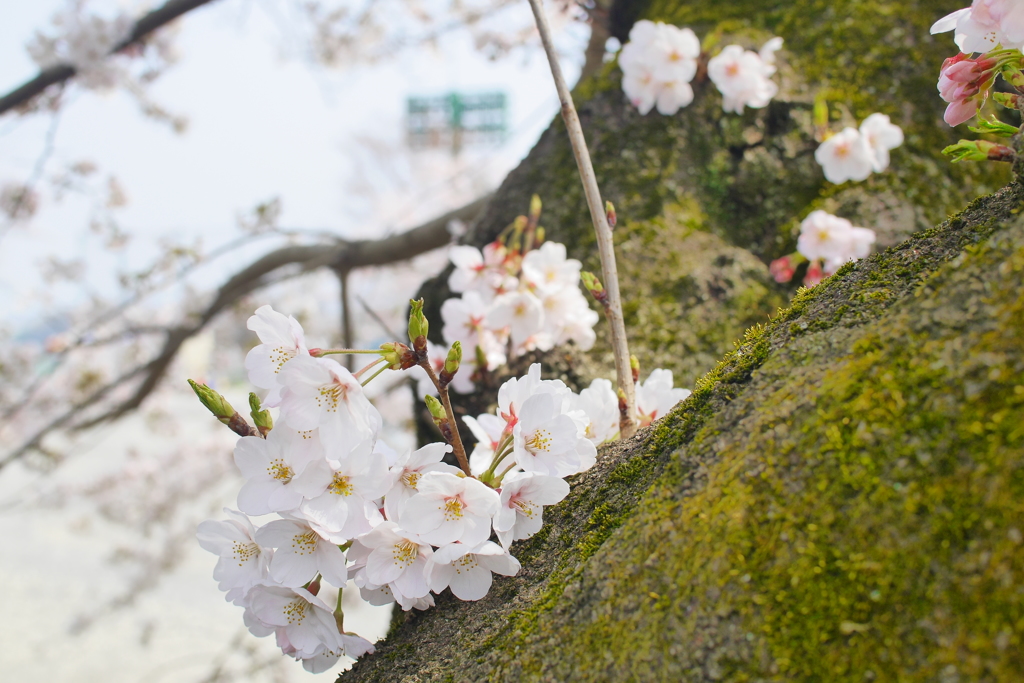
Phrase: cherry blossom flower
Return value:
(845, 156)
(405, 475)
(985, 25)
(833, 240)
(272, 467)
(349, 483)
(397, 559)
(488, 430)
(548, 269)
(466, 569)
(743, 76)
(881, 135)
(300, 554)
(282, 339)
(601, 406)
(545, 440)
(523, 496)
(321, 393)
(352, 645)
(483, 273)
(640, 87)
(243, 562)
(447, 508)
(521, 312)
(656, 396)
(303, 619)
(658, 63)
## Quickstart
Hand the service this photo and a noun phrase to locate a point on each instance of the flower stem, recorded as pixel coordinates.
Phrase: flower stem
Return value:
(457, 447)
(606, 247)
(328, 352)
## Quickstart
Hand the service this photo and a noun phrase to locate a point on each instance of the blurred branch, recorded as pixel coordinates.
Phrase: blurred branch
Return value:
(305, 258)
(171, 10)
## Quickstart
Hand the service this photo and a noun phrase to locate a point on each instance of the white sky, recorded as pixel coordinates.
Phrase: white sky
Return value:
(262, 124)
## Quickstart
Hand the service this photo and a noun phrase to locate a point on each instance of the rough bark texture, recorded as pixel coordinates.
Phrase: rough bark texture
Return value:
(842, 497)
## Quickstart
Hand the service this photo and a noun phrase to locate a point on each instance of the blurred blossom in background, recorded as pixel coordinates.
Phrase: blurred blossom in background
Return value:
(127, 198)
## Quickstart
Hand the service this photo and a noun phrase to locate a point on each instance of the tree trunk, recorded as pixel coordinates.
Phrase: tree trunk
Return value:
(842, 497)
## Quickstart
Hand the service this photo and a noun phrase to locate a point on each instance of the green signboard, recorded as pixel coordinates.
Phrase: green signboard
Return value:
(456, 120)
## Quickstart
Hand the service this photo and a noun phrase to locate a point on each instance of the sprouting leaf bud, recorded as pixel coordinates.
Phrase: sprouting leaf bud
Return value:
(609, 210)
(535, 206)
(262, 418)
(994, 127)
(634, 365)
(418, 328)
(595, 287)
(1009, 100)
(451, 364)
(979, 150)
(436, 410)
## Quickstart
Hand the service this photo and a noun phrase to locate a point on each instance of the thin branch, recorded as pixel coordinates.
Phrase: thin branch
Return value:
(362, 253)
(456, 438)
(606, 246)
(59, 73)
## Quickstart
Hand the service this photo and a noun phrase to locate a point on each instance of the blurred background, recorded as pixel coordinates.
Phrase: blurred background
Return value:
(147, 207)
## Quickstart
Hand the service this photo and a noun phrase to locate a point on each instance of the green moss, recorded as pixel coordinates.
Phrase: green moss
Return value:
(862, 517)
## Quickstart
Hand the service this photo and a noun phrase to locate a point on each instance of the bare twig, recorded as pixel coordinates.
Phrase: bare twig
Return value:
(603, 231)
(430, 235)
(171, 10)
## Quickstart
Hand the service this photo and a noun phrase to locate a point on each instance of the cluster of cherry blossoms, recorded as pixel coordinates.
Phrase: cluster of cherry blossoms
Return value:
(660, 60)
(519, 294)
(826, 242)
(401, 527)
(854, 154)
(85, 42)
(990, 35)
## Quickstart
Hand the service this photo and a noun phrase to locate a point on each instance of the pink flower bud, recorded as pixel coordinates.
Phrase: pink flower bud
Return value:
(781, 269)
(814, 274)
(959, 112)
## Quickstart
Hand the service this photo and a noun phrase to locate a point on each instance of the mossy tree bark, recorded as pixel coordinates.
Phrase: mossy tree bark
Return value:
(842, 497)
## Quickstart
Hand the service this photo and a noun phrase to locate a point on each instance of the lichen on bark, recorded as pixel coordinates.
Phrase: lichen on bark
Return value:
(841, 497)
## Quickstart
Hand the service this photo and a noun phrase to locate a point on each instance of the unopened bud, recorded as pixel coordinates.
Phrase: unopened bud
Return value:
(1013, 76)
(609, 211)
(418, 328)
(435, 408)
(595, 287)
(397, 355)
(539, 235)
(439, 416)
(535, 206)
(979, 150)
(634, 365)
(782, 269)
(262, 418)
(451, 364)
(622, 402)
(222, 410)
(820, 114)
(1009, 100)
(214, 402)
